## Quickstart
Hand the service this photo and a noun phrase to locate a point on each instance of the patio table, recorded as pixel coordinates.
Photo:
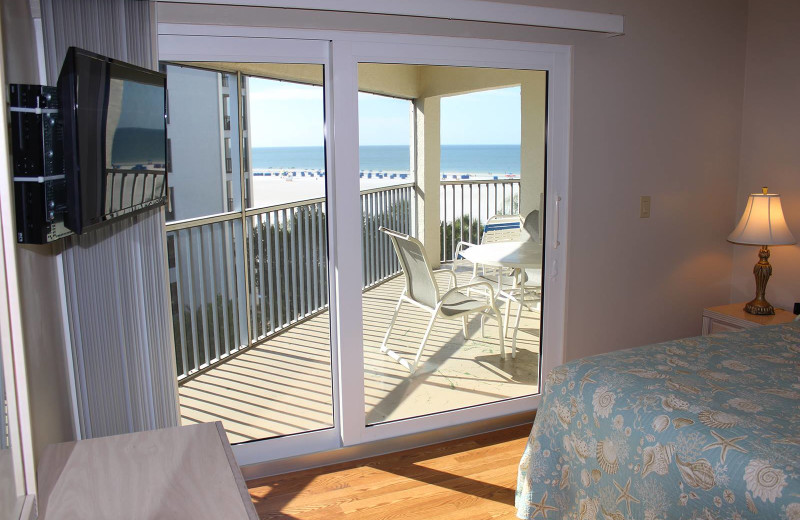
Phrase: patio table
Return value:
(516, 255)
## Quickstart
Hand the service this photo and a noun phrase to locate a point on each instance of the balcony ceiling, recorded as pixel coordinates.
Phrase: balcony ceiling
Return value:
(395, 80)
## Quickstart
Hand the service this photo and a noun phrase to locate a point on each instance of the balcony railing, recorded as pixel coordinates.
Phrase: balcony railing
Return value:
(287, 259)
(391, 208)
(229, 293)
(236, 280)
(207, 290)
(466, 205)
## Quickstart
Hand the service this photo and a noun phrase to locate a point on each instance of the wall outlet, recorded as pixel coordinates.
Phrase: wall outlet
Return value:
(644, 207)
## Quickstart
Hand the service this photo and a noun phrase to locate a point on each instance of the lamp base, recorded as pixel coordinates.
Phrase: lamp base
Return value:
(759, 307)
(762, 271)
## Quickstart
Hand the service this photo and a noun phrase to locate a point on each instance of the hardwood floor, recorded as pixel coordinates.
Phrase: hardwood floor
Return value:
(466, 479)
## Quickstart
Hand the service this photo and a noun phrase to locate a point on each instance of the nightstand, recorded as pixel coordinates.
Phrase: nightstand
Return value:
(732, 317)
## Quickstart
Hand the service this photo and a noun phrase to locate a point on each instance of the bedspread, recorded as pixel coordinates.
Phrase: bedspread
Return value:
(699, 428)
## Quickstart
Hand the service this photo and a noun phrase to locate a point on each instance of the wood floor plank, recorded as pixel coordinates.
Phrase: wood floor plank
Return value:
(472, 478)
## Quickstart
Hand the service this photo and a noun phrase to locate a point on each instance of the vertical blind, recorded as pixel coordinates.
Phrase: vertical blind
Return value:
(120, 332)
(118, 29)
(117, 304)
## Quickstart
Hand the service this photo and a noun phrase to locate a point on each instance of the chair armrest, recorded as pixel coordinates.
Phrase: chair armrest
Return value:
(473, 285)
(453, 278)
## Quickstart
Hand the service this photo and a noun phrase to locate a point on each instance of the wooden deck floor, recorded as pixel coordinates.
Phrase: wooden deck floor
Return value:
(468, 479)
(283, 386)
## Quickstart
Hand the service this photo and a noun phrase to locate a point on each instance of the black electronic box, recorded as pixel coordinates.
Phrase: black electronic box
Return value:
(37, 163)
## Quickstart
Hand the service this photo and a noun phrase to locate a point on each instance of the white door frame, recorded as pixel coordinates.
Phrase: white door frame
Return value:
(341, 51)
(22, 480)
(269, 50)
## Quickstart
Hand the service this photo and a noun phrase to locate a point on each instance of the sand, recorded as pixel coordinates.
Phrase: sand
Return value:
(277, 189)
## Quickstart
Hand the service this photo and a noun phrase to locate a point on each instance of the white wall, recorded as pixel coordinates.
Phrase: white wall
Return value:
(770, 148)
(655, 112)
(51, 417)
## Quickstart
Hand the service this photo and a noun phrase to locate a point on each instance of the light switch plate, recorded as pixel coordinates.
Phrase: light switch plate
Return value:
(644, 207)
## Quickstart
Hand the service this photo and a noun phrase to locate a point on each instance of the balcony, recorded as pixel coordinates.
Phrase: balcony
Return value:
(252, 326)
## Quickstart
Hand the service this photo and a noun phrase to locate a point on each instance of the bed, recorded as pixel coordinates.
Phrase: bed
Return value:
(699, 428)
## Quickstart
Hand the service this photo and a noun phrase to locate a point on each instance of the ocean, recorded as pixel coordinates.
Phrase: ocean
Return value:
(464, 159)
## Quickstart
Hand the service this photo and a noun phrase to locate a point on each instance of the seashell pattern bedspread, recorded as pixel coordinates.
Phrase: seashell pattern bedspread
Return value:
(699, 428)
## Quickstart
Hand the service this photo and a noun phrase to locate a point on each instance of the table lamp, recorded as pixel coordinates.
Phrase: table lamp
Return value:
(762, 224)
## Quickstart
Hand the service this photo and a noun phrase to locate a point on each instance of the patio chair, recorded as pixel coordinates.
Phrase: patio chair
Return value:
(422, 291)
(530, 283)
(529, 280)
(532, 226)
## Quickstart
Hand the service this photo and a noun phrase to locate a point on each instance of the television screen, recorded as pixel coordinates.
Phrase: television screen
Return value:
(135, 151)
(114, 138)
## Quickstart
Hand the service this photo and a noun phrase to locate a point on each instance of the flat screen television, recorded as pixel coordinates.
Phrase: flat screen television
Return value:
(115, 138)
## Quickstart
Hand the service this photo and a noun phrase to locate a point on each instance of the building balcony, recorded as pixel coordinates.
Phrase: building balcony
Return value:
(252, 328)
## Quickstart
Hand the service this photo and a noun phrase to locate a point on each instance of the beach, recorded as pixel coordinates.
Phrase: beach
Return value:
(291, 174)
(272, 187)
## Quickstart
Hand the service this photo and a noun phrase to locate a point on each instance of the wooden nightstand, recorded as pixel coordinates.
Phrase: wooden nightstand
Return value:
(725, 318)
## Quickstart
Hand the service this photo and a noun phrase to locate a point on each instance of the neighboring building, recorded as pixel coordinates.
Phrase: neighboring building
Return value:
(204, 176)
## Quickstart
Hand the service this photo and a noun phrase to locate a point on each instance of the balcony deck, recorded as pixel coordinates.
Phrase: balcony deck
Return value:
(283, 385)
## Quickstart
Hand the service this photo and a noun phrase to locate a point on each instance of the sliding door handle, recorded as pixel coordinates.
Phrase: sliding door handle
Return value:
(556, 243)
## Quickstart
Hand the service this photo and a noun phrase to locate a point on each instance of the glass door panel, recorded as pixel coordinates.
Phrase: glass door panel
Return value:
(454, 158)
(247, 244)
(443, 149)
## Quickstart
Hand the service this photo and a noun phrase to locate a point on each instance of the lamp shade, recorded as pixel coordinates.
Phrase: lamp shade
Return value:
(762, 222)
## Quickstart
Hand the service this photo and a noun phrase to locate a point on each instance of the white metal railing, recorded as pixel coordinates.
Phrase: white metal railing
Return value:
(287, 262)
(466, 205)
(206, 289)
(387, 207)
(237, 279)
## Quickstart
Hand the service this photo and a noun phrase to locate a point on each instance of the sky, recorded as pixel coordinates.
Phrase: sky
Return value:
(288, 114)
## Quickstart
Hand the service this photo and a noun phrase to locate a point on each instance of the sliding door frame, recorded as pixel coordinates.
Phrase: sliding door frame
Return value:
(465, 53)
(188, 48)
(340, 52)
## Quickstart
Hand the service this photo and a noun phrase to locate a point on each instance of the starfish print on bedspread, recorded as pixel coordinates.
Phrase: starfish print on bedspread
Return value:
(542, 507)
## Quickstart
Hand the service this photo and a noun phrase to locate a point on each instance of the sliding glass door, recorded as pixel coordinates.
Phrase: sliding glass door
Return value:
(448, 156)
(248, 267)
(469, 156)
(284, 291)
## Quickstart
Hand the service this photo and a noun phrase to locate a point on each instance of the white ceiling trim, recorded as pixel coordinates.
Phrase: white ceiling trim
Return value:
(471, 10)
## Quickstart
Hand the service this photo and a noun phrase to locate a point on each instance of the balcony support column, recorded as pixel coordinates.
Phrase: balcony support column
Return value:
(427, 146)
(533, 106)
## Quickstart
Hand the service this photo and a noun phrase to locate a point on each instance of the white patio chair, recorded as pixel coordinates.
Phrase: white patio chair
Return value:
(528, 288)
(422, 291)
(529, 280)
